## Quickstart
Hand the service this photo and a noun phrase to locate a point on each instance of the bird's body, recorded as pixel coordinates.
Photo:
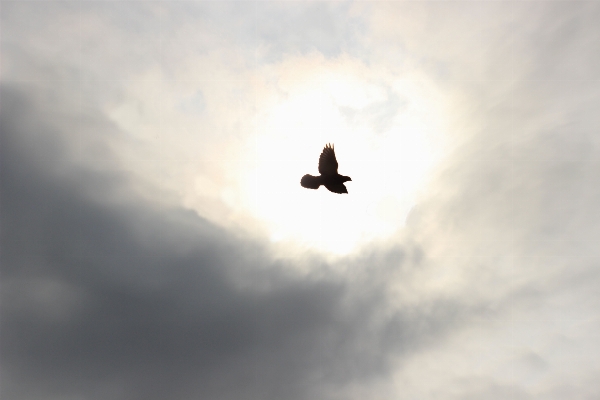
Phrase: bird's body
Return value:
(329, 177)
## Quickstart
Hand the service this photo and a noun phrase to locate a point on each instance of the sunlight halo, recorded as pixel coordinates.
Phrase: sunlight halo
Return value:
(384, 130)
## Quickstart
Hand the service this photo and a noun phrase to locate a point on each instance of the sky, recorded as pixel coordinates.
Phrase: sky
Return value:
(156, 242)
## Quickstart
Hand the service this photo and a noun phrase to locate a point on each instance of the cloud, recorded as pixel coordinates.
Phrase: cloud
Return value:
(110, 288)
(119, 296)
(509, 216)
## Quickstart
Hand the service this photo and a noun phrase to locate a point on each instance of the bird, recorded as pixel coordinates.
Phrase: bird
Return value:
(328, 168)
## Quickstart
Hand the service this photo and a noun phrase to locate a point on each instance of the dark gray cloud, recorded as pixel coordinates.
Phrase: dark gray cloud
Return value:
(128, 299)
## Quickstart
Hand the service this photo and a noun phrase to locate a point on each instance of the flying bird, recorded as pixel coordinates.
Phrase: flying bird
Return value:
(328, 168)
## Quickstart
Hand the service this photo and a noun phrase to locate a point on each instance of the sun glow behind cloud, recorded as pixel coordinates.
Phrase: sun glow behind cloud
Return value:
(339, 103)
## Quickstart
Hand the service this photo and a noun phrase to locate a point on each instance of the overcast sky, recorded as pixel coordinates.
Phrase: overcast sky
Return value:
(156, 242)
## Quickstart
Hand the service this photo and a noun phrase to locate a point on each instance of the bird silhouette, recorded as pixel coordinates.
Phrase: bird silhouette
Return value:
(328, 167)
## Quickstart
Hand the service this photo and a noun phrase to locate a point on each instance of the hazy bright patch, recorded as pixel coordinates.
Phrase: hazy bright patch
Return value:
(383, 131)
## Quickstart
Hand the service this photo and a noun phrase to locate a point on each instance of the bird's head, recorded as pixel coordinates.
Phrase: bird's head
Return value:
(346, 178)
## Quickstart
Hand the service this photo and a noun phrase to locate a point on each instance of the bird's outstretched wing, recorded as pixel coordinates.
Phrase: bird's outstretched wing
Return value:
(337, 188)
(327, 163)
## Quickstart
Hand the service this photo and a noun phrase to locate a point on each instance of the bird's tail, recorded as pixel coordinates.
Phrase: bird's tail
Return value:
(310, 182)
